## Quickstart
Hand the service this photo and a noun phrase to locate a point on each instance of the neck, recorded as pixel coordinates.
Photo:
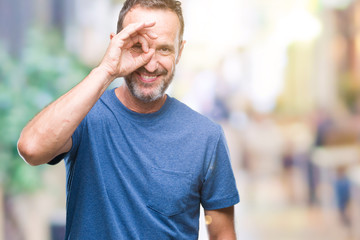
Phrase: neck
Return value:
(136, 105)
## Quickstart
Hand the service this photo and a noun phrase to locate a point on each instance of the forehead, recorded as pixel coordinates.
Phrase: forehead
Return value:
(167, 22)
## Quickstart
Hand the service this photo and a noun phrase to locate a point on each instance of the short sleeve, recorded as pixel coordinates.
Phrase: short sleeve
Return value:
(219, 186)
(76, 138)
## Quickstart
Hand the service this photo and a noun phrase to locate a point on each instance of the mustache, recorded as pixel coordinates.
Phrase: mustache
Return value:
(156, 72)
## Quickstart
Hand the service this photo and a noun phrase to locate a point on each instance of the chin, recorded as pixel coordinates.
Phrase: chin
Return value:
(147, 92)
(146, 95)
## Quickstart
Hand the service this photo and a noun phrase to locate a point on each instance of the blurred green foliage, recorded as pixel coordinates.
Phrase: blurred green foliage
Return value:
(43, 73)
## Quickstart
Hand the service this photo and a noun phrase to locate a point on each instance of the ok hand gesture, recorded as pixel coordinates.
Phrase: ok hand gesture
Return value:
(128, 50)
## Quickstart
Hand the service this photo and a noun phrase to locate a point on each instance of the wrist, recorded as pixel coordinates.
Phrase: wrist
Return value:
(100, 79)
(104, 74)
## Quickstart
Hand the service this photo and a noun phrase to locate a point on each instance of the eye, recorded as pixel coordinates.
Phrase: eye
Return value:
(137, 47)
(165, 50)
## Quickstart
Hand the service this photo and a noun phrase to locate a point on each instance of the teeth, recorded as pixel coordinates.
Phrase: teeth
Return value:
(148, 77)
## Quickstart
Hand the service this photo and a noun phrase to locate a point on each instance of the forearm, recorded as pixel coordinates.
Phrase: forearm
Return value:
(50, 131)
(224, 236)
(226, 232)
(220, 224)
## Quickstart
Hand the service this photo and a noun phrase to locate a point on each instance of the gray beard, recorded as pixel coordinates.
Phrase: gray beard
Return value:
(135, 89)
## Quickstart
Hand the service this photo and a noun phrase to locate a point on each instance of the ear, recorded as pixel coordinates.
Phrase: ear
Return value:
(182, 44)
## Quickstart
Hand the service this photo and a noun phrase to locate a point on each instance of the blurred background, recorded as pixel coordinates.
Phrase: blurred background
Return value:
(282, 77)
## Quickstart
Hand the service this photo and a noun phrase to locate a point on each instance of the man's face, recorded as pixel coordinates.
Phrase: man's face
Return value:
(149, 82)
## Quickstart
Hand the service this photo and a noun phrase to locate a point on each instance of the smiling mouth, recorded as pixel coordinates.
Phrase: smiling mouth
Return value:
(147, 78)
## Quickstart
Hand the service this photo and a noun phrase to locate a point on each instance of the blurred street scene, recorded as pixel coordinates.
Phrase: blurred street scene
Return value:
(282, 77)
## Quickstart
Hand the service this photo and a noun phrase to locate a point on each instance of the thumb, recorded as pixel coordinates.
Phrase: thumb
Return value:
(146, 56)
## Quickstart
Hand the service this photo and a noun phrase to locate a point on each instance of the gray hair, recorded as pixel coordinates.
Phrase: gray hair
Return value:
(171, 5)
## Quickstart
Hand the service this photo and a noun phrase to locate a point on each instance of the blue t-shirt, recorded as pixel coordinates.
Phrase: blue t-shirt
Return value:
(144, 176)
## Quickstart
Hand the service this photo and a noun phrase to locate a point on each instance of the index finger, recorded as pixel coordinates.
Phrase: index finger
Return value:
(135, 28)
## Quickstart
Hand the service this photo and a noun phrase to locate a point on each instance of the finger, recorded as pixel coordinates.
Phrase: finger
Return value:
(135, 28)
(134, 40)
(145, 57)
(151, 34)
(149, 24)
(144, 43)
(141, 40)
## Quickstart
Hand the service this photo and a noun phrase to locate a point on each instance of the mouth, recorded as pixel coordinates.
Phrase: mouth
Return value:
(147, 78)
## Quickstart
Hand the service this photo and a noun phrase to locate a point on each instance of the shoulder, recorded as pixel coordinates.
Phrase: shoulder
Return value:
(106, 101)
(199, 123)
(102, 109)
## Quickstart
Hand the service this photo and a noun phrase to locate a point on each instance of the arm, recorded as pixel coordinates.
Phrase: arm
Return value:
(220, 224)
(49, 133)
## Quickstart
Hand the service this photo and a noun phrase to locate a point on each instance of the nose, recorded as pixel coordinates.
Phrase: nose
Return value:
(153, 64)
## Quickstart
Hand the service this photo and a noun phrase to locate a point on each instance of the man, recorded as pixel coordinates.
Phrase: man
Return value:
(139, 163)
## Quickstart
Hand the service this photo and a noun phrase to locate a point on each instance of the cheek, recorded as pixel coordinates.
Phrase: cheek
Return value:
(169, 64)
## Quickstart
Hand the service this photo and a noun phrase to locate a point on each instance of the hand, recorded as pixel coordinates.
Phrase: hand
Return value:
(128, 50)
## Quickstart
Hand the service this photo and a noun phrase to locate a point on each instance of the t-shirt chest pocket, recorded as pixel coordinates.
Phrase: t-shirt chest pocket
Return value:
(168, 191)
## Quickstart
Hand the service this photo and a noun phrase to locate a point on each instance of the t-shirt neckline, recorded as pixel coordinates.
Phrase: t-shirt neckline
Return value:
(144, 117)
